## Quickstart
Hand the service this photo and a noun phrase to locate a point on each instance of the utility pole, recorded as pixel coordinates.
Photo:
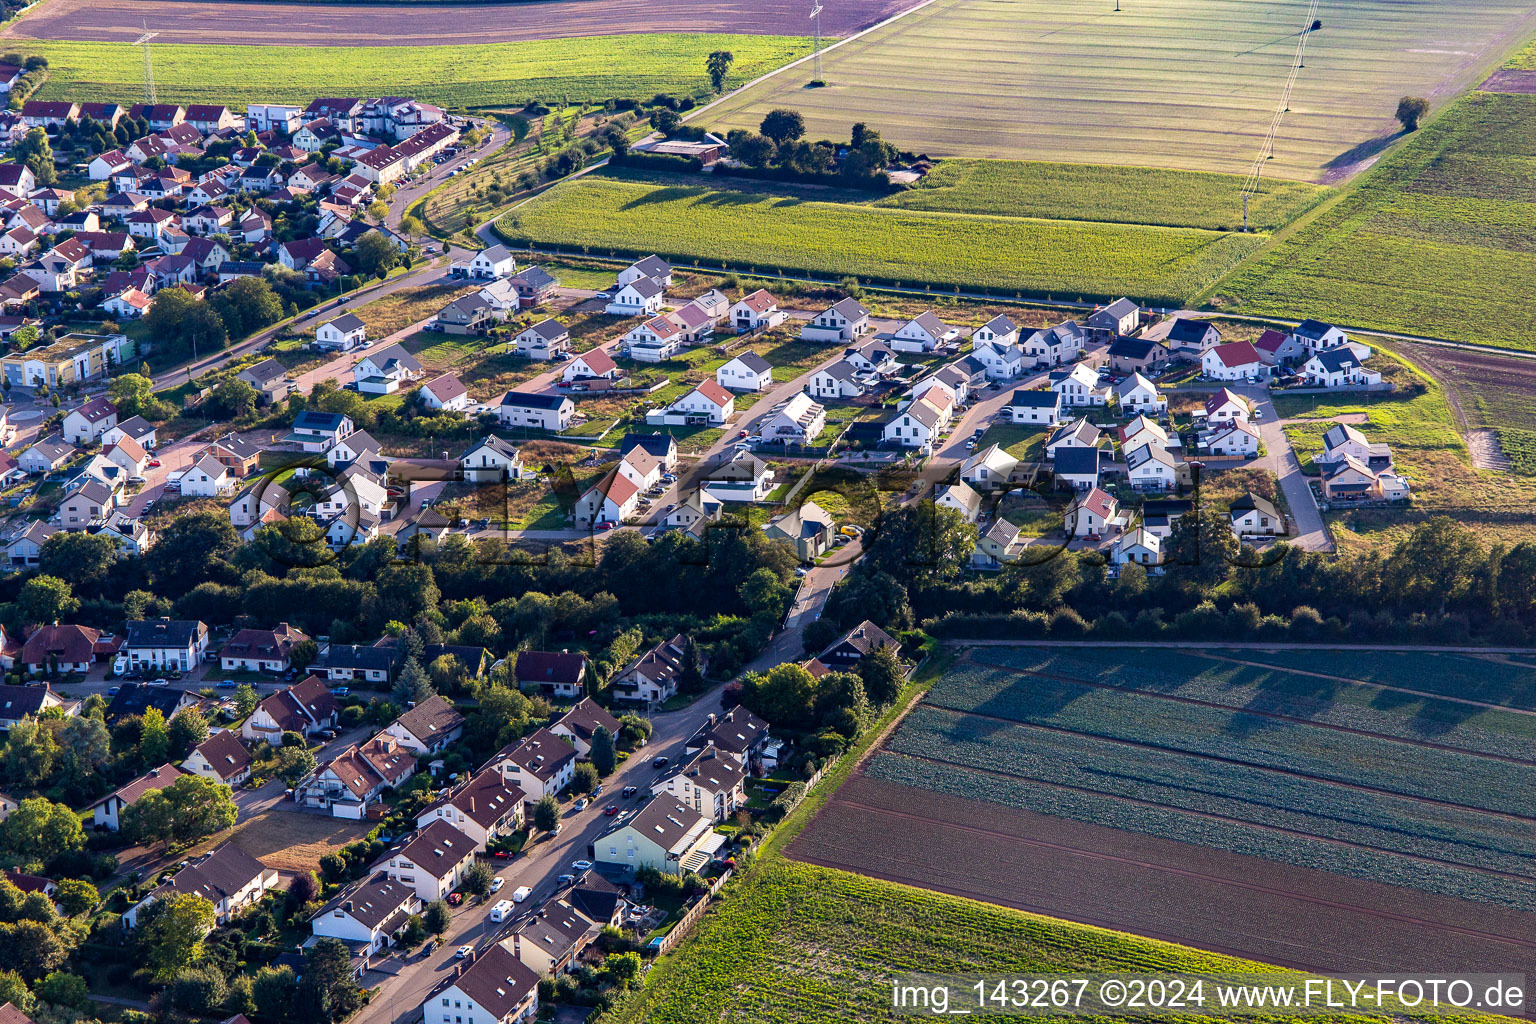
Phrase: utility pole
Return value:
(149, 71)
(816, 24)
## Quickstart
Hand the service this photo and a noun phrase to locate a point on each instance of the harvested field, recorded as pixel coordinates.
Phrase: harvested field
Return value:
(429, 24)
(293, 841)
(1510, 80)
(1161, 83)
(1253, 804)
(1490, 393)
(1219, 901)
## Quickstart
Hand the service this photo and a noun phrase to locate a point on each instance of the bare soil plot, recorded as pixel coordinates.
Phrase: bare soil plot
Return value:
(294, 841)
(1161, 83)
(1225, 902)
(312, 24)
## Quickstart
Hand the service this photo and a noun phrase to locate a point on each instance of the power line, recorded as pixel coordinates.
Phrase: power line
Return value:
(149, 71)
(1267, 147)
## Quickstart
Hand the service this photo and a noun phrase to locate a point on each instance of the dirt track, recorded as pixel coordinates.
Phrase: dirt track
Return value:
(1226, 902)
(320, 24)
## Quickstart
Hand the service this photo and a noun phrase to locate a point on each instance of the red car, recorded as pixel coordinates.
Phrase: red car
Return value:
(611, 810)
(455, 898)
(741, 433)
(154, 463)
(606, 524)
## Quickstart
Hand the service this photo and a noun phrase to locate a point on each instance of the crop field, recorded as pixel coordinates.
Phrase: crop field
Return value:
(800, 944)
(1488, 390)
(1434, 240)
(477, 75)
(1121, 195)
(360, 23)
(1209, 784)
(759, 232)
(1162, 83)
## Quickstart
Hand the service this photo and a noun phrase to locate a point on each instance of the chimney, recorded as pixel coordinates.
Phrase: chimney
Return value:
(347, 906)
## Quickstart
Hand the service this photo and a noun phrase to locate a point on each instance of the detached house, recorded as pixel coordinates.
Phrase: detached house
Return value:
(547, 339)
(165, 643)
(222, 758)
(369, 915)
(260, 650)
(578, 725)
(916, 426)
(228, 877)
(653, 677)
(107, 812)
(555, 673)
(1119, 317)
(342, 334)
(494, 988)
(923, 333)
(1191, 339)
(643, 296)
(1235, 360)
(382, 372)
(485, 807)
(536, 411)
(756, 311)
(1316, 336)
(357, 777)
(429, 726)
(540, 764)
(664, 835)
(492, 460)
(1035, 406)
(710, 784)
(87, 423)
(434, 860)
(840, 323)
(1255, 516)
(746, 372)
(1079, 386)
(1338, 367)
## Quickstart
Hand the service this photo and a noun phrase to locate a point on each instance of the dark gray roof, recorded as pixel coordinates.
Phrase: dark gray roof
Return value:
(1186, 329)
(1035, 399)
(1251, 502)
(1077, 461)
(497, 981)
(352, 656)
(372, 900)
(164, 632)
(532, 400)
(755, 362)
(219, 875)
(1312, 329)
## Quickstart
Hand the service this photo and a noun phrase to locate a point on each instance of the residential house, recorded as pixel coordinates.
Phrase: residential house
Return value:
(237, 454)
(1134, 355)
(1079, 468)
(536, 411)
(1342, 440)
(342, 334)
(270, 379)
(1140, 546)
(433, 860)
(692, 513)
(1236, 360)
(348, 662)
(1315, 336)
(1191, 339)
(756, 311)
(428, 727)
(534, 286)
(469, 314)
(807, 529)
(923, 333)
(86, 505)
(594, 364)
(916, 426)
(988, 469)
(1350, 480)
(1119, 317)
(652, 267)
(23, 549)
(29, 701)
(707, 404)
(658, 338)
(1159, 515)
(228, 877)
(1136, 394)
(962, 498)
(491, 460)
(1276, 347)
(356, 778)
(556, 673)
(741, 477)
(165, 643)
(664, 835)
(1338, 367)
(840, 380)
(106, 813)
(489, 264)
(1235, 437)
(222, 758)
(1151, 467)
(653, 677)
(540, 764)
(578, 725)
(127, 305)
(640, 297)
(318, 431)
(1255, 516)
(845, 321)
(207, 479)
(87, 423)
(663, 446)
(796, 420)
(1226, 405)
(547, 339)
(368, 915)
(1094, 514)
(873, 357)
(493, 988)
(445, 392)
(1053, 346)
(1079, 433)
(1079, 386)
(260, 650)
(484, 807)
(384, 371)
(1000, 545)
(746, 372)
(1035, 406)
(552, 941)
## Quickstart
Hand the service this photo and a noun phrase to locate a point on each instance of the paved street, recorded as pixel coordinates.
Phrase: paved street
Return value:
(399, 998)
(1280, 459)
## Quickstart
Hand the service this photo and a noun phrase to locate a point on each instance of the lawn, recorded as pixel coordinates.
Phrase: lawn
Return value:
(1161, 83)
(1434, 241)
(1023, 441)
(1123, 195)
(291, 841)
(479, 75)
(760, 232)
(399, 310)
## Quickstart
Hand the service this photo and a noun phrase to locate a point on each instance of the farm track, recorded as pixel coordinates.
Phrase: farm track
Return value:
(1228, 819)
(1251, 765)
(1273, 715)
(212, 22)
(1160, 888)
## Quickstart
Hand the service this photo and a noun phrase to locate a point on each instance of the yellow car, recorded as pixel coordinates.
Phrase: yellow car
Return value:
(851, 531)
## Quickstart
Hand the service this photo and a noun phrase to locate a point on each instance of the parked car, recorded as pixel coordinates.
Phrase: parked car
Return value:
(463, 951)
(497, 883)
(630, 791)
(660, 762)
(582, 865)
(455, 898)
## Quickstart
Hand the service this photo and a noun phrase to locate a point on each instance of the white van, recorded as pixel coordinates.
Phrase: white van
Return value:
(500, 911)
(521, 893)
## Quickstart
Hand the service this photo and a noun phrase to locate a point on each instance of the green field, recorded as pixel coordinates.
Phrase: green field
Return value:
(759, 231)
(1161, 83)
(1414, 791)
(799, 944)
(458, 76)
(1122, 195)
(1438, 240)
